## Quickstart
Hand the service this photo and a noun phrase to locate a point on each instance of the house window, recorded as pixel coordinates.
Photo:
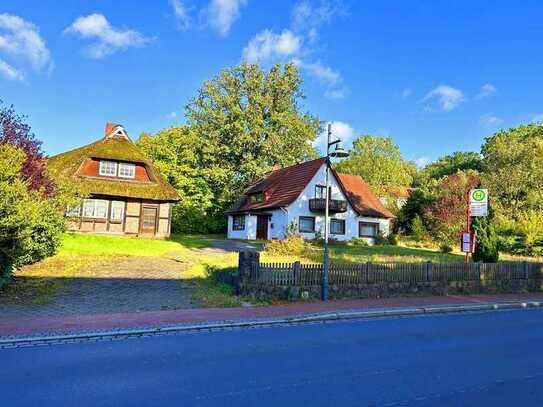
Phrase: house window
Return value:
(306, 224)
(73, 211)
(108, 168)
(238, 222)
(368, 229)
(257, 198)
(117, 211)
(127, 170)
(337, 226)
(320, 191)
(95, 208)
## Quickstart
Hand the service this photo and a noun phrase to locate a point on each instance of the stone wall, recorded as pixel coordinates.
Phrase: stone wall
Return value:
(246, 283)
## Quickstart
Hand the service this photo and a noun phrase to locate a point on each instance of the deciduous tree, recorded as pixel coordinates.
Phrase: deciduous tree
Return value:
(379, 161)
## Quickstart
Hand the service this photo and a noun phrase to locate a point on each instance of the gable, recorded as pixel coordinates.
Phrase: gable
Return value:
(279, 188)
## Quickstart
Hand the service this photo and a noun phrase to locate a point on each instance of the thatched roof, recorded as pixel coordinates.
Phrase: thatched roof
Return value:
(67, 165)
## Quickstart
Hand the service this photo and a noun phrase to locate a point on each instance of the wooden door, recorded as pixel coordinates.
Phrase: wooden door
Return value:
(262, 227)
(148, 220)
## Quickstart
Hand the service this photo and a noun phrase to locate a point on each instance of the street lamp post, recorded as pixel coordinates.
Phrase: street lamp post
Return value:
(339, 152)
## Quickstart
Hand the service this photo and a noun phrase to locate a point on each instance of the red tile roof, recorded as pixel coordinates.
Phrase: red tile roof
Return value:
(284, 186)
(361, 198)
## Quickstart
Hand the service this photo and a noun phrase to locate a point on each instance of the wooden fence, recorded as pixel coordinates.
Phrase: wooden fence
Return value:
(296, 274)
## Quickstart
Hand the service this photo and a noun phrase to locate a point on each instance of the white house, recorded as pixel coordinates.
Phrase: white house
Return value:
(294, 198)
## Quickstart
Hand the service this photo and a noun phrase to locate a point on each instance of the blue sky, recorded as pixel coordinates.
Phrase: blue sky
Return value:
(437, 76)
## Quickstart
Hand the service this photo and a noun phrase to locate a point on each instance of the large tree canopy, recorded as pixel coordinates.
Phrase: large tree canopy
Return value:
(247, 120)
(174, 152)
(379, 161)
(242, 122)
(448, 165)
(16, 132)
(513, 169)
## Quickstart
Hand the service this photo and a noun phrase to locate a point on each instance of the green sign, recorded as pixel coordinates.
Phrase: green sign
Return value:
(478, 195)
(478, 202)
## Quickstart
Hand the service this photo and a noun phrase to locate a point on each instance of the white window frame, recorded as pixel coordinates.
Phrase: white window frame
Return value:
(117, 206)
(309, 219)
(373, 225)
(105, 170)
(124, 166)
(73, 211)
(238, 222)
(94, 205)
(337, 221)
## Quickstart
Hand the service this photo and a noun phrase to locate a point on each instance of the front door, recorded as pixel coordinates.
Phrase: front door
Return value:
(262, 227)
(148, 225)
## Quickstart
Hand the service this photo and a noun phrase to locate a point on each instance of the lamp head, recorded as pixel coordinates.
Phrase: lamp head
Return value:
(339, 152)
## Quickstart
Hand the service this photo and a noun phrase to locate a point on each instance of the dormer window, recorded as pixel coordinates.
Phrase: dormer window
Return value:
(108, 168)
(127, 170)
(114, 169)
(257, 198)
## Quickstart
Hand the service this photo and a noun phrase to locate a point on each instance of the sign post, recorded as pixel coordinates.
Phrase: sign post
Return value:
(477, 205)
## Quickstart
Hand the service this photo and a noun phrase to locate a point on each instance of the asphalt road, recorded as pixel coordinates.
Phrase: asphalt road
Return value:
(486, 359)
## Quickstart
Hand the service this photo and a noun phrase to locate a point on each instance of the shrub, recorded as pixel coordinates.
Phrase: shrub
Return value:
(291, 246)
(445, 248)
(486, 243)
(358, 241)
(380, 239)
(392, 239)
(418, 231)
(31, 223)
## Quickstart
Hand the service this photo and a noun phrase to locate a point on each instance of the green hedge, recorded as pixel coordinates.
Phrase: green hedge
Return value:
(6, 267)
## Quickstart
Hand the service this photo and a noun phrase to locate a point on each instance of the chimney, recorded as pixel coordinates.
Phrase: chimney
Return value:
(109, 128)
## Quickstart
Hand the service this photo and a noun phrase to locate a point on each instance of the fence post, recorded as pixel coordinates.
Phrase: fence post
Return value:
(525, 269)
(248, 261)
(429, 266)
(296, 271)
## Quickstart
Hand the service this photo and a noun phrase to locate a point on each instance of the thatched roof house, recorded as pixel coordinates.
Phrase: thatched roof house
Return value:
(126, 193)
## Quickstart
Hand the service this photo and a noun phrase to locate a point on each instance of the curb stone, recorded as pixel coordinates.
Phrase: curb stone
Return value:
(319, 317)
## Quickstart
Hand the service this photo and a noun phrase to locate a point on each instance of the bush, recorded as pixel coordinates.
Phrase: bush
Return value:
(380, 239)
(291, 246)
(486, 242)
(418, 231)
(445, 248)
(31, 223)
(358, 241)
(392, 239)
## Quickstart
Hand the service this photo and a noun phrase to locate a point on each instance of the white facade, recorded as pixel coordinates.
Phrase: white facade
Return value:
(279, 219)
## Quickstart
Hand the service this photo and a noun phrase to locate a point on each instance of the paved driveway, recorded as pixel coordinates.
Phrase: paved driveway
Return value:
(236, 245)
(125, 284)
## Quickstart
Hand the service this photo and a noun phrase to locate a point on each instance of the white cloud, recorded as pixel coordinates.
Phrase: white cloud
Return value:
(20, 40)
(172, 115)
(446, 97)
(221, 14)
(319, 71)
(268, 46)
(538, 118)
(9, 72)
(336, 93)
(490, 120)
(486, 91)
(108, 39)
(181, 14)
(406, 93)
(340, 130)
(307, 17)
(422, 162)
